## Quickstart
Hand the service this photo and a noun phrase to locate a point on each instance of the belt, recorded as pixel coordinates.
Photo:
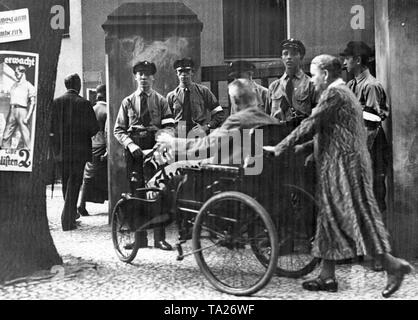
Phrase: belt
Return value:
(17, 106)
(139, 134)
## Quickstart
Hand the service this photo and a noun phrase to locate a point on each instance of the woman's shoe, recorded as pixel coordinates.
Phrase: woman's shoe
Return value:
(395, 278)
(319, 284)
(82, 211)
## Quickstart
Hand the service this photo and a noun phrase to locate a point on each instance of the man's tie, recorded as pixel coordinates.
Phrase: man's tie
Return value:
(289, 90)
(354, 86)
(187, 110)
(145, 115)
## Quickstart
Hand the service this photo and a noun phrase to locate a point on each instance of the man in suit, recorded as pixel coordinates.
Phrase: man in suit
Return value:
(73, 124)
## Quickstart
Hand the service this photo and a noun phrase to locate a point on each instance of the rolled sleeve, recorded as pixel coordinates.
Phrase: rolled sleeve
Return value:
(121, 126)
(376, 100)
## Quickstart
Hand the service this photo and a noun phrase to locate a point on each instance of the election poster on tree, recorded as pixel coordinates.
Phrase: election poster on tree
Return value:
(18, 95)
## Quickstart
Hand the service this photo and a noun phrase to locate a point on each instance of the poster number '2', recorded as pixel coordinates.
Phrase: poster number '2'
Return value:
(59, 272)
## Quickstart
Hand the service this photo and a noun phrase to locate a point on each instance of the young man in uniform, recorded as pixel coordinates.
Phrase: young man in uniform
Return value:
(372, 97)
(192, 103)
(242, 69)
(291, 100)
(141, 115)
(292, 97)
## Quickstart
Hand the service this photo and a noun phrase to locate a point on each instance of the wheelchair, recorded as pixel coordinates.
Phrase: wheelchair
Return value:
(244, 228)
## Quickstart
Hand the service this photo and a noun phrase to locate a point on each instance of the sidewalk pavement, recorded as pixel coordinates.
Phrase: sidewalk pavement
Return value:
(92, 271)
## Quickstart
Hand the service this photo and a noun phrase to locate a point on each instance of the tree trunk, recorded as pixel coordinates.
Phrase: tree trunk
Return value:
(26, 244)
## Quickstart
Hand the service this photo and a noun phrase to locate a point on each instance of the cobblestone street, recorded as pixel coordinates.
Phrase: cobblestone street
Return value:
(156, 275)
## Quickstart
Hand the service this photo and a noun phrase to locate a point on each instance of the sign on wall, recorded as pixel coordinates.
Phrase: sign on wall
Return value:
(14, 25)
(18, 95)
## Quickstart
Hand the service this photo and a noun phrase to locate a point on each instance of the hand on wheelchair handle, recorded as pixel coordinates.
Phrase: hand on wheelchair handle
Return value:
(135, 150)
(269, 150)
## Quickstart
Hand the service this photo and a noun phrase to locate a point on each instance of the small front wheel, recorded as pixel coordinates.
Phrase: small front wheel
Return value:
(222, 236)
(125, 241)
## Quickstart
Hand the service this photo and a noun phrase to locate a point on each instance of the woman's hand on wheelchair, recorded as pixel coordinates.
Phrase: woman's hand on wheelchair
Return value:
(269, 149)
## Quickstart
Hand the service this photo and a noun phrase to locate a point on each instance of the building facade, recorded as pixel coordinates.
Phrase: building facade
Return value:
(252, 29)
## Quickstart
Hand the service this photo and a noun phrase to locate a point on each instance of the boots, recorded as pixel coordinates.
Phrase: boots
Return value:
(81, 208)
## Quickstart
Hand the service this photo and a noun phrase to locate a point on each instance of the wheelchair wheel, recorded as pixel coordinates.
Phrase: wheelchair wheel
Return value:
(125, 241)
(295, 227)
(222, 237)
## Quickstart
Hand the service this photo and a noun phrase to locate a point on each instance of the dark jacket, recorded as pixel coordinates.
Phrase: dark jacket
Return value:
(73, 123)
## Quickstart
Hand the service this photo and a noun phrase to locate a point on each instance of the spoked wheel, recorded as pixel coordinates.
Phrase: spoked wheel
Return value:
(125, 241)
(222, 236)
(295, 225)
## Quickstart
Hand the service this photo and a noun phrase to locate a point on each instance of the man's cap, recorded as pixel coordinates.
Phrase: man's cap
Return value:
(236, 67)
(101, 90)
(185, 63)
(357, 48)
(294, 44)
(145, 66)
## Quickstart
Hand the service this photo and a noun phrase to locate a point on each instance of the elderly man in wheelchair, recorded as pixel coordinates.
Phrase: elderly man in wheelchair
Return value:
(217, 149)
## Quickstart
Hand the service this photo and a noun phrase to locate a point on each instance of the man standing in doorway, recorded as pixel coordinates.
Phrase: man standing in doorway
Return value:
(73, 125)
(140, 116)
(22, 105)
(242, 69)
(193, 103)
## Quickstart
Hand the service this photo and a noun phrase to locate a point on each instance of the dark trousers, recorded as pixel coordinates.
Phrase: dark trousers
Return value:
(137, 178)
(380, 155)
(72, 178)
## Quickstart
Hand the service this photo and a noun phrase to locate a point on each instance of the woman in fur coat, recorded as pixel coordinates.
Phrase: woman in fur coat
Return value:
(349, 222)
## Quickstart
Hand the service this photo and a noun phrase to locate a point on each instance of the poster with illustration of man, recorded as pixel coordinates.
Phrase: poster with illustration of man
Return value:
(18, 93)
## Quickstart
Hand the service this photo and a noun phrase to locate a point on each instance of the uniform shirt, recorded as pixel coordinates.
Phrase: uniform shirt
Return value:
(262, 98)
(205, 108)
(248, 118)
(370, 93)
(129, 120)
(21, 92)
(302, 102)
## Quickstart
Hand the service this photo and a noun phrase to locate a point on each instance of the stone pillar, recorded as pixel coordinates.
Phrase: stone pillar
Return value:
(157, 32)
(396, 30)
